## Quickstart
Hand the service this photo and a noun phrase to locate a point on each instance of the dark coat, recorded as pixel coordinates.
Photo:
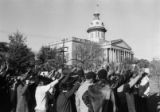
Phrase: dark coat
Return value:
(97, 98)
(64, 101)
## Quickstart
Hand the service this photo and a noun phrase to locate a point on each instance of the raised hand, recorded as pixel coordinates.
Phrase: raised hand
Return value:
(74, 69)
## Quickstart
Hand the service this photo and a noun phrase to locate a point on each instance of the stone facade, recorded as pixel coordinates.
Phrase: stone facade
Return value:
(114, 50)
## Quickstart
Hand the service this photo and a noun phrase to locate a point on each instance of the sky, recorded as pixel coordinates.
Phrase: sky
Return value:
(137, 22)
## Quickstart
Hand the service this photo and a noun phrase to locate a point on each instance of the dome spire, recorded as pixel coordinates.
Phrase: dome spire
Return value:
(97, 6)
(96, 30)
(96, 14)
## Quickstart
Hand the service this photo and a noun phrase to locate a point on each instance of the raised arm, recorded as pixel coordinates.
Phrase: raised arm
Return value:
(135, 80)
(122, 79)
(86, 99)
(24, 89)
(50, 85)
(72, 91)
(65, 79)
(113, 101)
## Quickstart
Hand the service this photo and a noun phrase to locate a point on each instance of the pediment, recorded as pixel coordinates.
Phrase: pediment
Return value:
(121, 43)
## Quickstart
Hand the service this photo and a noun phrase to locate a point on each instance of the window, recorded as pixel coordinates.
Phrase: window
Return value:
(97, 22)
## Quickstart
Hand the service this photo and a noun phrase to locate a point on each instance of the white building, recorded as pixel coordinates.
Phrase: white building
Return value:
(114, 50)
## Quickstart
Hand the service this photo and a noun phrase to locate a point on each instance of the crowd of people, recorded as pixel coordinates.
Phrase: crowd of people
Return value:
(71, 89)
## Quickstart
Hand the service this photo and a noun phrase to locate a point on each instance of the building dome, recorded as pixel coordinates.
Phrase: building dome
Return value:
(96, 24)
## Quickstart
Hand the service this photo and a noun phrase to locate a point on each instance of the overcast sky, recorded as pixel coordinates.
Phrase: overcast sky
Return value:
(137, 22)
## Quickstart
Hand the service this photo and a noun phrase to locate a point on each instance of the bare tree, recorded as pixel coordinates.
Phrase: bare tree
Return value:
(89, 55)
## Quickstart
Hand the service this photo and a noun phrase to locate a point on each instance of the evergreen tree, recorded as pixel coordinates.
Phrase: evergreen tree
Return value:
(20, 57)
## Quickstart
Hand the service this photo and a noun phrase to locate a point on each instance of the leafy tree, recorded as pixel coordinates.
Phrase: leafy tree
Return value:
(3, 47)
(127, 63)
(48, 58)
(143, 63)
(20, 57)
(3, 52)
(89, 55)
(155, 67)
(155, 71)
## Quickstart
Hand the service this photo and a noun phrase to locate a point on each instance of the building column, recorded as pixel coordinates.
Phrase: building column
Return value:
(128, 55)
(113, 55)
(124, 54)
(132, 57)
(118, 55)
(108, 54)
(121, 55)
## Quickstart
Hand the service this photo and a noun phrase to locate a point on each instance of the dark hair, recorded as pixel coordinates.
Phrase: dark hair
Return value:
(102, 74)
(43, 79)
(80, 73)
(91, 75)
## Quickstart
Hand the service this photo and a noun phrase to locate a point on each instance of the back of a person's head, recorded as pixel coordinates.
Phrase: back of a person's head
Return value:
(80, 73)
(66, 71)
(66, 86)
(102, 74)
(90, 75)
(43, 79)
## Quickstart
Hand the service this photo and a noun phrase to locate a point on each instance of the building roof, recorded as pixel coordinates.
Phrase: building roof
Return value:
(120, 43)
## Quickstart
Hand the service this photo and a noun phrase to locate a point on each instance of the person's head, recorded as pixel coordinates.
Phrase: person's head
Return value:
(64, 87)
(65, 71)
(102, 74)
(80, 73)
(107, 67)
(90, 76)
(41, 80)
